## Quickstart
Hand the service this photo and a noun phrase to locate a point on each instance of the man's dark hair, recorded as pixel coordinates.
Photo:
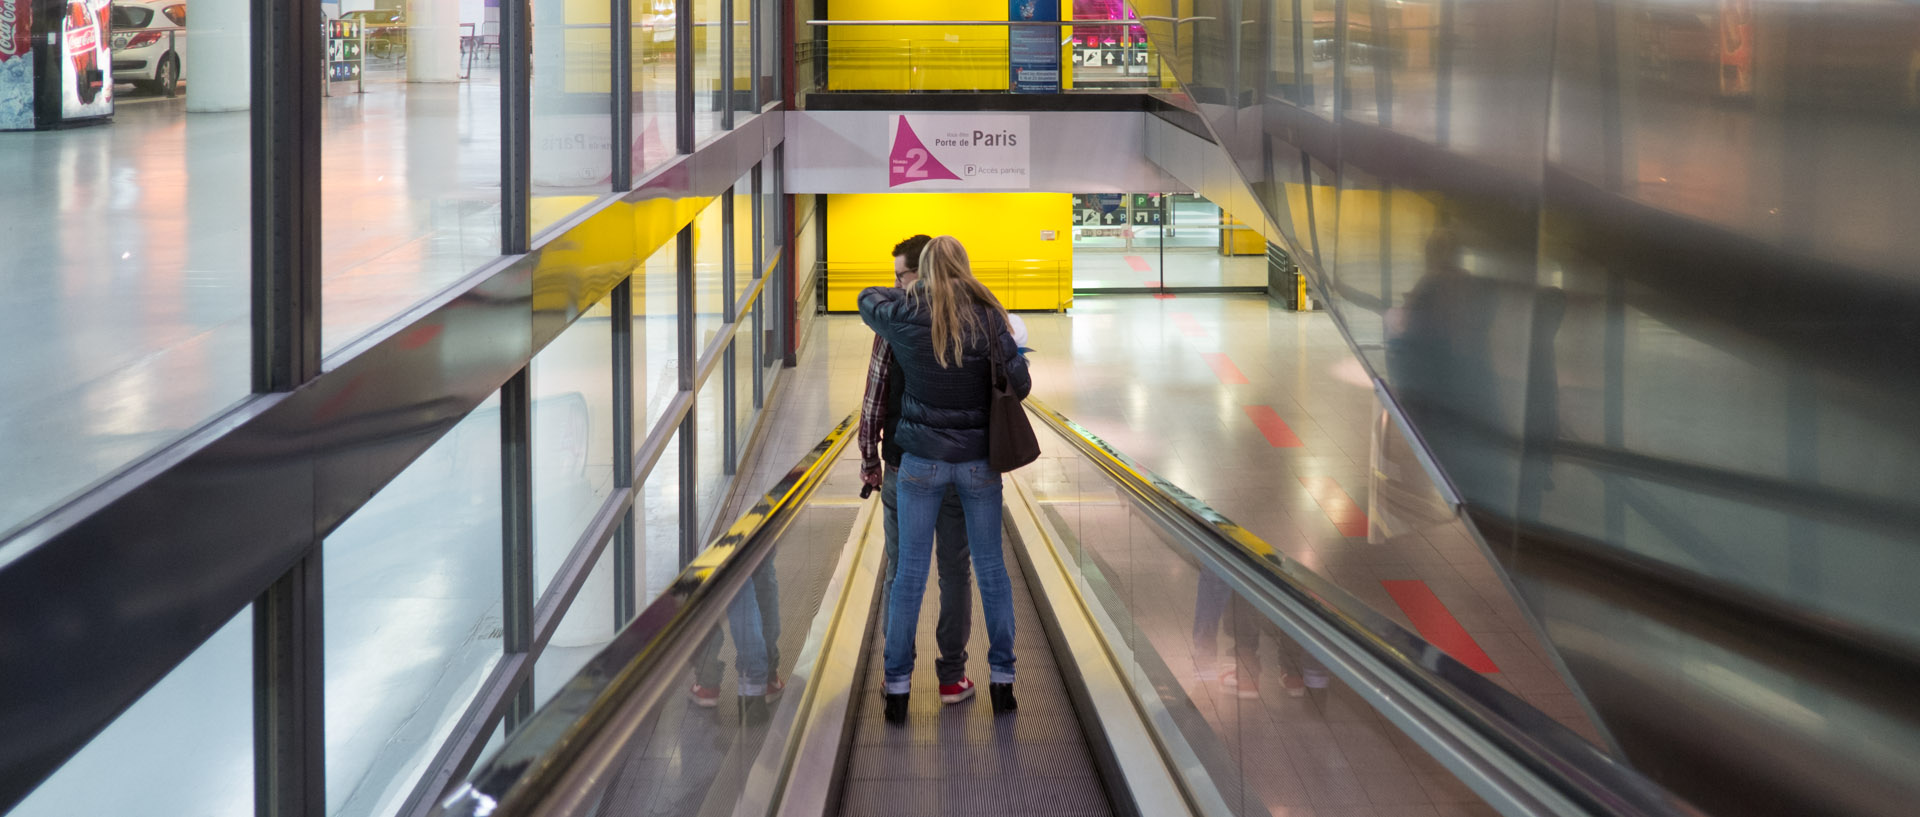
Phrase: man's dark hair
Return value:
(910, 250)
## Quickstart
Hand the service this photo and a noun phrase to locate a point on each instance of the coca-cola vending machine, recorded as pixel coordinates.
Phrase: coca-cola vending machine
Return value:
(56, 63)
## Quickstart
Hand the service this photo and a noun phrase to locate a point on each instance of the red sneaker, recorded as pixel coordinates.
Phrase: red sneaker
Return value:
(955, 693)
(704, 697)
(775, 688)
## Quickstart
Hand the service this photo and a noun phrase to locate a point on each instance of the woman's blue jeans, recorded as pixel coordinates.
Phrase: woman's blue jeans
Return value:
(922, 485)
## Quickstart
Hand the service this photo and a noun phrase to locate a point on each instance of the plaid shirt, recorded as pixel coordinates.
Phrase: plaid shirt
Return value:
(873, 415)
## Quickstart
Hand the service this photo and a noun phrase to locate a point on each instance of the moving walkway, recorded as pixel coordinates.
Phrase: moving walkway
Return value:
(1127, 592)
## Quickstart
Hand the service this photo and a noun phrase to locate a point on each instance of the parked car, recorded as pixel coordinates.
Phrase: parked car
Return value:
(150, 44)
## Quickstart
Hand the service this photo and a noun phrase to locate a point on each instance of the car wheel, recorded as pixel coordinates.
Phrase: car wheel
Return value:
(166, 77)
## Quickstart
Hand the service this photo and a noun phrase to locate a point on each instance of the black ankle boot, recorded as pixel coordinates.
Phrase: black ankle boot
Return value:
(754, 710)
(1002, 698)
(897, 708)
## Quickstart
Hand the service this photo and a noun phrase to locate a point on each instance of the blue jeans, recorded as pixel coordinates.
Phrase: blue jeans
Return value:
(754, 618)
(922, 485)
(955, 622)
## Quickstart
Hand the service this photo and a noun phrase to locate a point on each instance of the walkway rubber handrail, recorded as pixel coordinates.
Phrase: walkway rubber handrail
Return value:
(1501, 746)
(576, 734)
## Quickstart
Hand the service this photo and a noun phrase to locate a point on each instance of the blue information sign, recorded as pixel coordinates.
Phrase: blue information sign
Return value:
(1033, 52)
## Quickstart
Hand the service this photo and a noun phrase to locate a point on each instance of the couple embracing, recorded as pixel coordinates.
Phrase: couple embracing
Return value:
(940, 334)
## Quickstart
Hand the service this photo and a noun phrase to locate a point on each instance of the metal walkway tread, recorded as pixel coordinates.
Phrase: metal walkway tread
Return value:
(960, 759)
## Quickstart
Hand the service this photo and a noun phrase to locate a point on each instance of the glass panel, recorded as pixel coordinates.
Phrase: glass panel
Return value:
(767, 36)
(1318, 94)
(412, 616)
(653, 80)
(1270, 727)
(657, 511)
(708, 28)
(572, 105)
(410, 181)
(743, 377)
(126, 276)
(572, 438)
(694, 752)
(743, 271)
(585, 628)
(137, 766)
(742, 98)
(710, 479)
(656, 338)
(709, 277)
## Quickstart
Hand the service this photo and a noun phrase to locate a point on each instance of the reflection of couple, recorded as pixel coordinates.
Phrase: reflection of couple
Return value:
(1298, 671)
(1440, 359)
(754, 619)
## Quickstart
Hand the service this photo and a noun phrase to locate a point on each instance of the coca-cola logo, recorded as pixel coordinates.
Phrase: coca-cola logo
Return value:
(83, 38)
(12, 25)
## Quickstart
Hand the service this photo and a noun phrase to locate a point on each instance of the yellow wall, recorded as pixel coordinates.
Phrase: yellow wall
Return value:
(917, 58)
(1002, 233)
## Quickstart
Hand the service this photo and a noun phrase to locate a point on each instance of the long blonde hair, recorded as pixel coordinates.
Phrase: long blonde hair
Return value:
(952, 295)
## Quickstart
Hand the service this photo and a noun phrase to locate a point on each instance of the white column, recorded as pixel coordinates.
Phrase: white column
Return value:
(433, 40)
(216, 45)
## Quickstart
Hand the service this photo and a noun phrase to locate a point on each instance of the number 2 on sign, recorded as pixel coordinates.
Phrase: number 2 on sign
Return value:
(919, 157)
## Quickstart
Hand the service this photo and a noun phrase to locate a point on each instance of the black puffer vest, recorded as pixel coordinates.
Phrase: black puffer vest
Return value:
(943, 415)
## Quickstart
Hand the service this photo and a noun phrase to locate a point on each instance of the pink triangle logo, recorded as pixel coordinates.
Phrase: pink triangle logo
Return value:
(911, 161)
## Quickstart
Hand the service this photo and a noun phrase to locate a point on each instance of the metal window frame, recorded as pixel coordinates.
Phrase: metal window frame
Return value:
(233, 514)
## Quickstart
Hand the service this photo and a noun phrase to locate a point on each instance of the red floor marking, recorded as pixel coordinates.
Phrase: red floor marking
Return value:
(1163, 296)
(1139, 264)
(1437, 625)
(1270, 424)
(1223, 368)
(1188, 326)
(420, 336)
(1339, 508)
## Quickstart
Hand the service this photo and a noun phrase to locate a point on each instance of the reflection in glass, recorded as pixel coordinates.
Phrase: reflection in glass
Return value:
(126, 283)
(412, 616)
(698, 749)
(653, 84)
(708, 96)
(656, 509)
(741, 96)
(572, 105)
(572, 438)
(585, 629)
(709, 278)
(743, 238)
(136, 765)
(1272, 731)
(410, 181)
(710, 478)
(656, 338)
(744, 375)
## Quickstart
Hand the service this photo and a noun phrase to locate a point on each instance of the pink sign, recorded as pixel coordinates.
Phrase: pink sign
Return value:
(911, 161)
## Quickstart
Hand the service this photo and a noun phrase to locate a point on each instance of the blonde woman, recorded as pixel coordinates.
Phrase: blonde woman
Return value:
(945, 329)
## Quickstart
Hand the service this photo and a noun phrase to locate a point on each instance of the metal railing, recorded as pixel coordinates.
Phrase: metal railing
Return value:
(967, 56)
(1022, 285)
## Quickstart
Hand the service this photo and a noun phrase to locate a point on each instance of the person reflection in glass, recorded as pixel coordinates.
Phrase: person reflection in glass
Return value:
(1298, 671)
(754, 619)
(1440, 360)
